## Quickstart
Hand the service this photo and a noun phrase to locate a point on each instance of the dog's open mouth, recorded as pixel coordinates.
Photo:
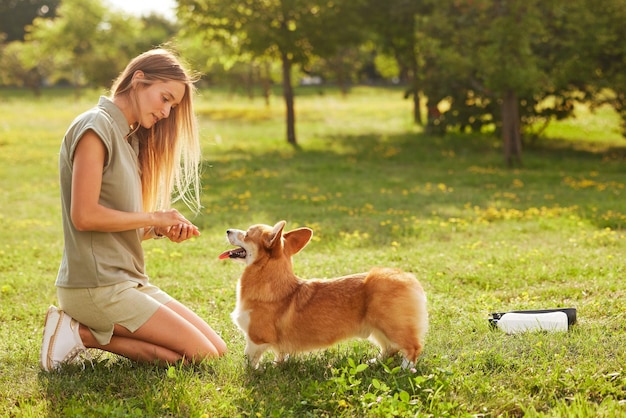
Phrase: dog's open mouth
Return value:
(236, 253)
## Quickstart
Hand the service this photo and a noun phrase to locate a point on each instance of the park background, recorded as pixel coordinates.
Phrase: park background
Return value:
(395, 130)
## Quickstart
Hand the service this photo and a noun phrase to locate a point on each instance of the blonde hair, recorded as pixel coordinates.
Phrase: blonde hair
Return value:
(169, 152)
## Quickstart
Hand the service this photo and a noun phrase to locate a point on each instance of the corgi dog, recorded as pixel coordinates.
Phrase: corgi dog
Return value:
(279, 311)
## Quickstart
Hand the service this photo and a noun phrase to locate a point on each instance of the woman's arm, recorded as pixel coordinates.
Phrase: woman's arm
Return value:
(88, 215)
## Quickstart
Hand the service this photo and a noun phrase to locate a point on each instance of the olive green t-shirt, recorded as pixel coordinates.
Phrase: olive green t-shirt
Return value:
(93, 259)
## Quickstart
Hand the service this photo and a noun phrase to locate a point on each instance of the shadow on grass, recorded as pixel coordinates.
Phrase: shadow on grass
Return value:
(342, 181)
(122, 388)
(342, 380)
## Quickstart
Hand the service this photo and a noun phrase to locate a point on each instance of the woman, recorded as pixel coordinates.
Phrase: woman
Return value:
(120, 163)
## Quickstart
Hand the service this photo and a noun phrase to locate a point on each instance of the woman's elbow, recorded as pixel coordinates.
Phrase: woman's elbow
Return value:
(82, 221)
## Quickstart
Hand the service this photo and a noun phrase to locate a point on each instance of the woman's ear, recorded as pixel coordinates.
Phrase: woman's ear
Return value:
(138, 75)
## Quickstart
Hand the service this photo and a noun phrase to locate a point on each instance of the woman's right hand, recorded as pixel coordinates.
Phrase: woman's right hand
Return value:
(174, 225)
(169, 218)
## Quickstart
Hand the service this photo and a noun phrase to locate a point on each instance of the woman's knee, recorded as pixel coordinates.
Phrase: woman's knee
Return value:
(220, 346)
(217, 345)
(195, 346)
(171, 330)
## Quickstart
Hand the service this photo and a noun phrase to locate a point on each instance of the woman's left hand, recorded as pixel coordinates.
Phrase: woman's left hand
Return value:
(179, 233)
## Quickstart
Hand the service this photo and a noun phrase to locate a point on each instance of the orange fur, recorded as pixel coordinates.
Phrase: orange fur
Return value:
(279, 311)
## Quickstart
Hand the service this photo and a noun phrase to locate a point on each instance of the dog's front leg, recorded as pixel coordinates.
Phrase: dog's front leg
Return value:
(254, 352)
(280, 357)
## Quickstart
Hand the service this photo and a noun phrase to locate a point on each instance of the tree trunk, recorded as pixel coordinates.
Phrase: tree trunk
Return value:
(266, 80)
(249, 80)
(33, 80)
(511, 131)
(288, 95)
(417, 114)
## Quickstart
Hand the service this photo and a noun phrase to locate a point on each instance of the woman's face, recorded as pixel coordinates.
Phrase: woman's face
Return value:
(157, 100)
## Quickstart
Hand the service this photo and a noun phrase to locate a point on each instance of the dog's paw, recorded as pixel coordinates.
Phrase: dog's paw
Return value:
(280, 358)
(408, 365)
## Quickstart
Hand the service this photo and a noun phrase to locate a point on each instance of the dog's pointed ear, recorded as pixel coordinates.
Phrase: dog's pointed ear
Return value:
(297, 239)
(276, 234)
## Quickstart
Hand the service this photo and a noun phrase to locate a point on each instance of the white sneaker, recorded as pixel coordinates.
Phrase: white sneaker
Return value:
(61, 342)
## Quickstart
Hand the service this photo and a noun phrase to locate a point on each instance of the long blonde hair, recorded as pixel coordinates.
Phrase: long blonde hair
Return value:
(169, 152)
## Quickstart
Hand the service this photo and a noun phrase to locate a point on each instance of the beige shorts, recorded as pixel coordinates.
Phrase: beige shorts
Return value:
(128, 304)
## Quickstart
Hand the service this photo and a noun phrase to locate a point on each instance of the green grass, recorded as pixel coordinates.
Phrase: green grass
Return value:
(377, 191)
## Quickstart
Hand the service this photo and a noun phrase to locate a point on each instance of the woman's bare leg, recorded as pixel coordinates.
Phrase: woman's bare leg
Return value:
(200, 324)
(166, 337)
(136, 350)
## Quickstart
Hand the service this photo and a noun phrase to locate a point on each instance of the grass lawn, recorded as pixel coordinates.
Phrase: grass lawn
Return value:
(377, 191)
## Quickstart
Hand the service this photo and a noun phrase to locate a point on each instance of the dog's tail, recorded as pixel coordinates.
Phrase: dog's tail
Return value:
(397, 311)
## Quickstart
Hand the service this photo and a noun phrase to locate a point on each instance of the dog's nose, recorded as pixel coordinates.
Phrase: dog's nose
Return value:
(228, 231)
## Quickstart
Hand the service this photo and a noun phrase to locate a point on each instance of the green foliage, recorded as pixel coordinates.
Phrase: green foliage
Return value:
(296, 29)
(545, 53)
(85, 43)
(24, 65)
(15, 16)
(376, 191)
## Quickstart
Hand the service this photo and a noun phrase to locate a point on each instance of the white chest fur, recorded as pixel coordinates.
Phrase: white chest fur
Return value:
(241, 318)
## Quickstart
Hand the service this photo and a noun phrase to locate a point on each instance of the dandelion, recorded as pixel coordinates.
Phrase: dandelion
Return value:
(443, 188)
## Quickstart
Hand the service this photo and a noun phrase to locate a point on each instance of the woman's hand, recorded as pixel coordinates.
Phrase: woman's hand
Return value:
(178, 233)
(173, 225)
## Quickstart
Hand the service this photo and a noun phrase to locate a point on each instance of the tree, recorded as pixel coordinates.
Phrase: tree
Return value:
(16, 15)
(509, 66)
(23, 64)
(89, 44)
(395, 23)
(154, 30)
(71, 37)
(498, 62)
(450, 38)
(289, 30)
(601, 36)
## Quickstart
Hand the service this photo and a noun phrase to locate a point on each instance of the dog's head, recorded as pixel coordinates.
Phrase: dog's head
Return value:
(264, 241)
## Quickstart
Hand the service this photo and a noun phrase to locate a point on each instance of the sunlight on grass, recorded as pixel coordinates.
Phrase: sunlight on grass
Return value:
(376, 191)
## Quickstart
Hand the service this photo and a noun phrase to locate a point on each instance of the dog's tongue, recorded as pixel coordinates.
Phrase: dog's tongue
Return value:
(234, 253)
(225, 254)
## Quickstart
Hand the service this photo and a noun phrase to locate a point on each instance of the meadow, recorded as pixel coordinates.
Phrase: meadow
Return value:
(376, 190)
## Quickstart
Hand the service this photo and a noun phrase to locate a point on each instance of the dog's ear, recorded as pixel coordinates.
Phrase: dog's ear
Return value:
(297, 239)
(276, 234)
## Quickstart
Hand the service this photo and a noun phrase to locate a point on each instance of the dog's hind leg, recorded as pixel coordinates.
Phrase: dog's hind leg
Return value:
(387, 348)
(404, 340)
(406, 364)
(410, 349)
